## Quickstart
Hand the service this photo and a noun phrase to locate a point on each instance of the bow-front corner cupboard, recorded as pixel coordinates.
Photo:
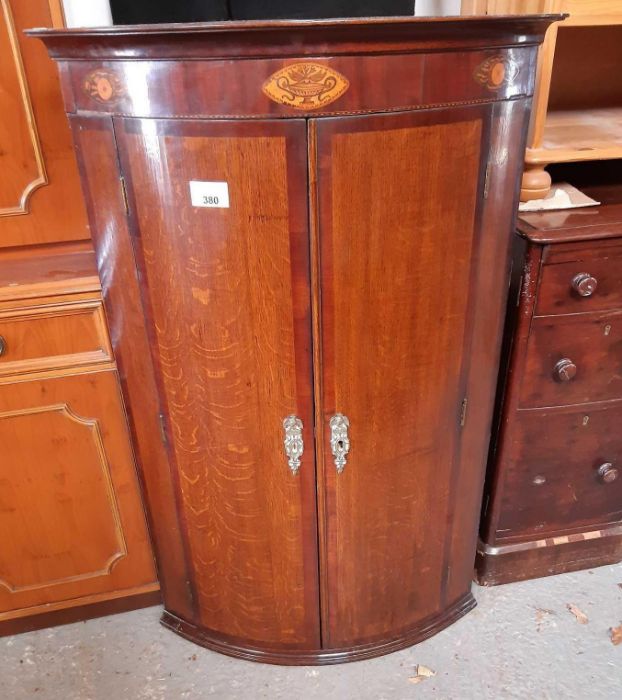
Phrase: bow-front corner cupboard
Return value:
(303, 238)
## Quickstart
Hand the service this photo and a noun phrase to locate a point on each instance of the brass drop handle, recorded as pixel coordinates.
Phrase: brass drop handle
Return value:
(339, 440)
(293, 442)
(2, 345)
(565, 370)
(607, 472)
(584, 284)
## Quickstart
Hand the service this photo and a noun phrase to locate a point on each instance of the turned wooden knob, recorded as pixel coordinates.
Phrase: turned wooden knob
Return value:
(607, 472)
(565, 370)
(584, 284)
(536, 183)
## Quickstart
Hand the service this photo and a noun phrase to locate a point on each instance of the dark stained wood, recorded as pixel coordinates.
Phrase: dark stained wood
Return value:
(548, 557)
(552, 483)
(599, 180)
(228, 294)
(68, 615)
(97, 158)
(287, 38)
(395, 373)
(425, 629)
(552, 503)
(592, 343)
(374, 241)
(234, 89)
(509, 125)
(558, 294)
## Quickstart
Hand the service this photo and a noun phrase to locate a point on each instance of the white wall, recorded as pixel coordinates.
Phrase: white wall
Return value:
(87, 13)
(437, 7)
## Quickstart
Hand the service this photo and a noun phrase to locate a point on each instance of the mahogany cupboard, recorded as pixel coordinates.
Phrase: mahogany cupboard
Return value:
(302, 231)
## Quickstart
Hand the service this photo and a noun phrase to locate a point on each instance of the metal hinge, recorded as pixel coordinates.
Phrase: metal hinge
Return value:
(162, 429)
(463, 411)
(124, 195)
(487, 180)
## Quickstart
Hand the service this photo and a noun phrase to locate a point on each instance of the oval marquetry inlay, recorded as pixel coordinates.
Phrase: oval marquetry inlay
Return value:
(103, 86)
(305, 86)
(496, 72)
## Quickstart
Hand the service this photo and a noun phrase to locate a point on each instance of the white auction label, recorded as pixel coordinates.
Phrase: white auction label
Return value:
(209, 194)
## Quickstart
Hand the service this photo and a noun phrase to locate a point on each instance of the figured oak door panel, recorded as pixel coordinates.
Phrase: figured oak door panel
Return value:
(71, 518)
(397, 200)
(226, 293)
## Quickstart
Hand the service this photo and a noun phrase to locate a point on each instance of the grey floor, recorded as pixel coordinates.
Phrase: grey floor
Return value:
(520, 642)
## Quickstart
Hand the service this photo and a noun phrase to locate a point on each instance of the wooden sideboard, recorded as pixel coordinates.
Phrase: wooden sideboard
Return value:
(74, 535)
(303, 231)
(553, 499)
(72, 524)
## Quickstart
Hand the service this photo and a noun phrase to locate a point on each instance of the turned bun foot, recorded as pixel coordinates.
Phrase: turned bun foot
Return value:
(536, 184)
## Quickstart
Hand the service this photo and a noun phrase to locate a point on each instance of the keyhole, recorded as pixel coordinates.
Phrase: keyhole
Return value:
(608, 329)
(340, 444)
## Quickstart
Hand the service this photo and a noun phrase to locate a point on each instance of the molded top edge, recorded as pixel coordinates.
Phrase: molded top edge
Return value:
(293, 37)
(536, 22)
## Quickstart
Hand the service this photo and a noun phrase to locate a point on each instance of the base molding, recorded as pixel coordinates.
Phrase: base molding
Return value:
(80, 609)
(426, 628)
(505, 563)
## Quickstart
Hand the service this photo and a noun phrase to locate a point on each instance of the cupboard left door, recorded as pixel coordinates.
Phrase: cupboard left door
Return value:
(219, 218)
(72, 525)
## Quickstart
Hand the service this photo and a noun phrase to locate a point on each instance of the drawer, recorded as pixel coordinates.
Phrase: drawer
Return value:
(573, 360)
(555, 480)
(575, 287)
(53, 337)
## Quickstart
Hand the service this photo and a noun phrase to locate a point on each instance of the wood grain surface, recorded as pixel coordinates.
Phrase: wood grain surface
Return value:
(53, 337)
(40, 196)
(99, 167)
(593, 342)
(228, 294)
(557, 294)
(70, 513)
(370, 235)
(549, 507)
(552, 483)
(397, 239)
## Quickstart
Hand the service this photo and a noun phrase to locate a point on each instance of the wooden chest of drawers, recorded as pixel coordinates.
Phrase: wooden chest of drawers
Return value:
(553, 499)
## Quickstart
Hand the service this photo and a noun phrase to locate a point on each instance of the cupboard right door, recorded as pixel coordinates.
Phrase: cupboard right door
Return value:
(396, 236)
